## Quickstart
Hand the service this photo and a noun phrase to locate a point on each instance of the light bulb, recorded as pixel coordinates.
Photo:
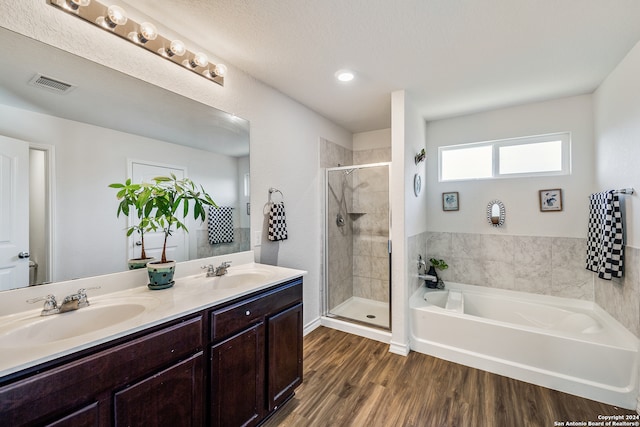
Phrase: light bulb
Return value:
(220, 70)
(115, 16)
(176, 48)
(200, 60)
(344, 75)
(75, 4)
(148, 31)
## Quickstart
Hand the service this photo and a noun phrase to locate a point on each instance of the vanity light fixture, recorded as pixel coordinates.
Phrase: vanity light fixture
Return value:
(114, 19)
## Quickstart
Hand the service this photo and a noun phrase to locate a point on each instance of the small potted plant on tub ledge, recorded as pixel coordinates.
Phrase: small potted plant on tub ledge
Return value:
(172, 197)
(437, 264)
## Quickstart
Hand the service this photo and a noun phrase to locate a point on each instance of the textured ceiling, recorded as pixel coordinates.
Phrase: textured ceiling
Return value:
(454, 56)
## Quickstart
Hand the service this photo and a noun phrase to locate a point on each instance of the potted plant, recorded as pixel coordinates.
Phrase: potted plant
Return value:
(138, 197)
(172, 197)
(437, 264)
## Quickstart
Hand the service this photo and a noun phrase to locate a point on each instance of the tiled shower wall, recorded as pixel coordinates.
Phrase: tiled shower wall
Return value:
(340, 251)
(240, 243)
(543, 265)
(357, 254)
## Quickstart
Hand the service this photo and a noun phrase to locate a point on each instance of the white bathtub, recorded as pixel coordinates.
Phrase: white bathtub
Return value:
(568, 345)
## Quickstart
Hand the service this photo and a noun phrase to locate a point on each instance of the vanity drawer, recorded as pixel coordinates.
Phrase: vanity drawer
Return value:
(238, 316)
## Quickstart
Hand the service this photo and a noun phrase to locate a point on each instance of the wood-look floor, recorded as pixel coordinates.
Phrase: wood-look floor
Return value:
(354, 381)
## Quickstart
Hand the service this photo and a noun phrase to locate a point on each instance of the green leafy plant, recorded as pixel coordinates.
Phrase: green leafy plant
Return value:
(440, 264)
(136, 197)
(172, 197)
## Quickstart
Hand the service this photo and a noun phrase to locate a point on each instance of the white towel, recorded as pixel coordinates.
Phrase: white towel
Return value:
(277, 222)
(220, 224)
(605, 250)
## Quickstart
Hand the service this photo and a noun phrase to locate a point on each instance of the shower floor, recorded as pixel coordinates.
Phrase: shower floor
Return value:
(362, 310)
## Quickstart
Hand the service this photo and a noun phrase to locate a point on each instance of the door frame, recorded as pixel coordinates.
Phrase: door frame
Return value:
(50, 197)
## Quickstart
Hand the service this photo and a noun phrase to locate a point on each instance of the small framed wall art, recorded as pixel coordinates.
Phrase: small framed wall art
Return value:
(450, 201)
(550, 200)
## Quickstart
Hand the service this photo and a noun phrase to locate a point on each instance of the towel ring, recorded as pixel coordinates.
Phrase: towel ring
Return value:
(275, 190)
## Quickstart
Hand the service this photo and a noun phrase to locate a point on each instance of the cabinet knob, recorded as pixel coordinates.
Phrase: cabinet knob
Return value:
(247, 313)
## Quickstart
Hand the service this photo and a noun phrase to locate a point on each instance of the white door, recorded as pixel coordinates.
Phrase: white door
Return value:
(177, 244)
(14, 213)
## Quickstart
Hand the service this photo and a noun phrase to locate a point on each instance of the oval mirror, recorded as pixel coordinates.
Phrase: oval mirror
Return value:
(495, 213)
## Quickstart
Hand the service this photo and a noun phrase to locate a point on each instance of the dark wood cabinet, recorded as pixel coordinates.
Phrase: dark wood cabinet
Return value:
(234, 369)
(284, 355)
(172, 397)
(237, 367)
(256, 355)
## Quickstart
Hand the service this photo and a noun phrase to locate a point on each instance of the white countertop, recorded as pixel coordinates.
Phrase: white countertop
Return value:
(190, 294)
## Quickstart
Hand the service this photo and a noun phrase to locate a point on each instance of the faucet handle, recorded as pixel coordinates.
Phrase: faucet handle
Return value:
(82, 296)
(50, 304)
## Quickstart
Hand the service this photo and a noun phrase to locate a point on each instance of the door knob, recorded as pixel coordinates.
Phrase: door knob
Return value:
(23, 255)
(139, 243)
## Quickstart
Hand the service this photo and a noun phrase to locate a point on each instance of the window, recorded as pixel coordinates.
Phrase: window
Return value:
(516, 157)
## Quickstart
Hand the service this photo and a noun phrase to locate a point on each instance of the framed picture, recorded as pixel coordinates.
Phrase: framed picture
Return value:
(550, 200)
(450, 201)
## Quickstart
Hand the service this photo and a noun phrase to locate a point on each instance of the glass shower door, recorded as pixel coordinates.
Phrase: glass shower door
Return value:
(357, 258)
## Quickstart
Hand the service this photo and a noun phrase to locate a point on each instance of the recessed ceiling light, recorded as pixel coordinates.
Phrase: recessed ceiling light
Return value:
(344, 75)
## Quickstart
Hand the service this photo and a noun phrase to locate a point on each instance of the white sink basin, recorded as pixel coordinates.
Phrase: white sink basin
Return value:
(236, 278)
(38, 330)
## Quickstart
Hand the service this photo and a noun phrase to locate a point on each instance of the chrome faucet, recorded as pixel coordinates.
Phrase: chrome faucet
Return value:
(220, 270)
(69, 303)
(421, 264)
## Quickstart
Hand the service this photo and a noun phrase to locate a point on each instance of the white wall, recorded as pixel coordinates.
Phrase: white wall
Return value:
(89, 239)
(519, 195)
(408, 212)
(617, 128)
(371, 140)
(284, 134)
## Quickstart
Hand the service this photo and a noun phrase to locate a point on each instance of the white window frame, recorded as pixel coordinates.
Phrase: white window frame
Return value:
(563, 137)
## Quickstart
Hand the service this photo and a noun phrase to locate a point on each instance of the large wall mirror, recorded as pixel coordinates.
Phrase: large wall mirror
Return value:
(107, 127)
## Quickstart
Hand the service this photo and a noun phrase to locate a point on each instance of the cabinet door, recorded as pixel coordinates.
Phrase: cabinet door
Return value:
(237, 379)
(85, 417)
(173, 397)
(284, 355)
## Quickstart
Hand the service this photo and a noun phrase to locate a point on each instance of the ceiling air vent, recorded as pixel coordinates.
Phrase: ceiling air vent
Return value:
(52, 85)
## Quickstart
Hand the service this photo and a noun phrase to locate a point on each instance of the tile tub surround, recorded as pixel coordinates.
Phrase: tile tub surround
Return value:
(541, 265)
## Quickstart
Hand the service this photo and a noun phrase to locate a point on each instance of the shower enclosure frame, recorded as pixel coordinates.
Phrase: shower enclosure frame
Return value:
(326, 309)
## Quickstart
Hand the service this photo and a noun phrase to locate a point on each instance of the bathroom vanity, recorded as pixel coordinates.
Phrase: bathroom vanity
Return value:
(232, 360)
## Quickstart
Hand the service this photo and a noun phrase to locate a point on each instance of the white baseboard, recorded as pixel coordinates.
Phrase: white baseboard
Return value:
(311, 326)
(399, 348)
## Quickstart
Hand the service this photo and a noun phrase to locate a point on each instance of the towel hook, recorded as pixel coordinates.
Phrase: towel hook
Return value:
(275, 190)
